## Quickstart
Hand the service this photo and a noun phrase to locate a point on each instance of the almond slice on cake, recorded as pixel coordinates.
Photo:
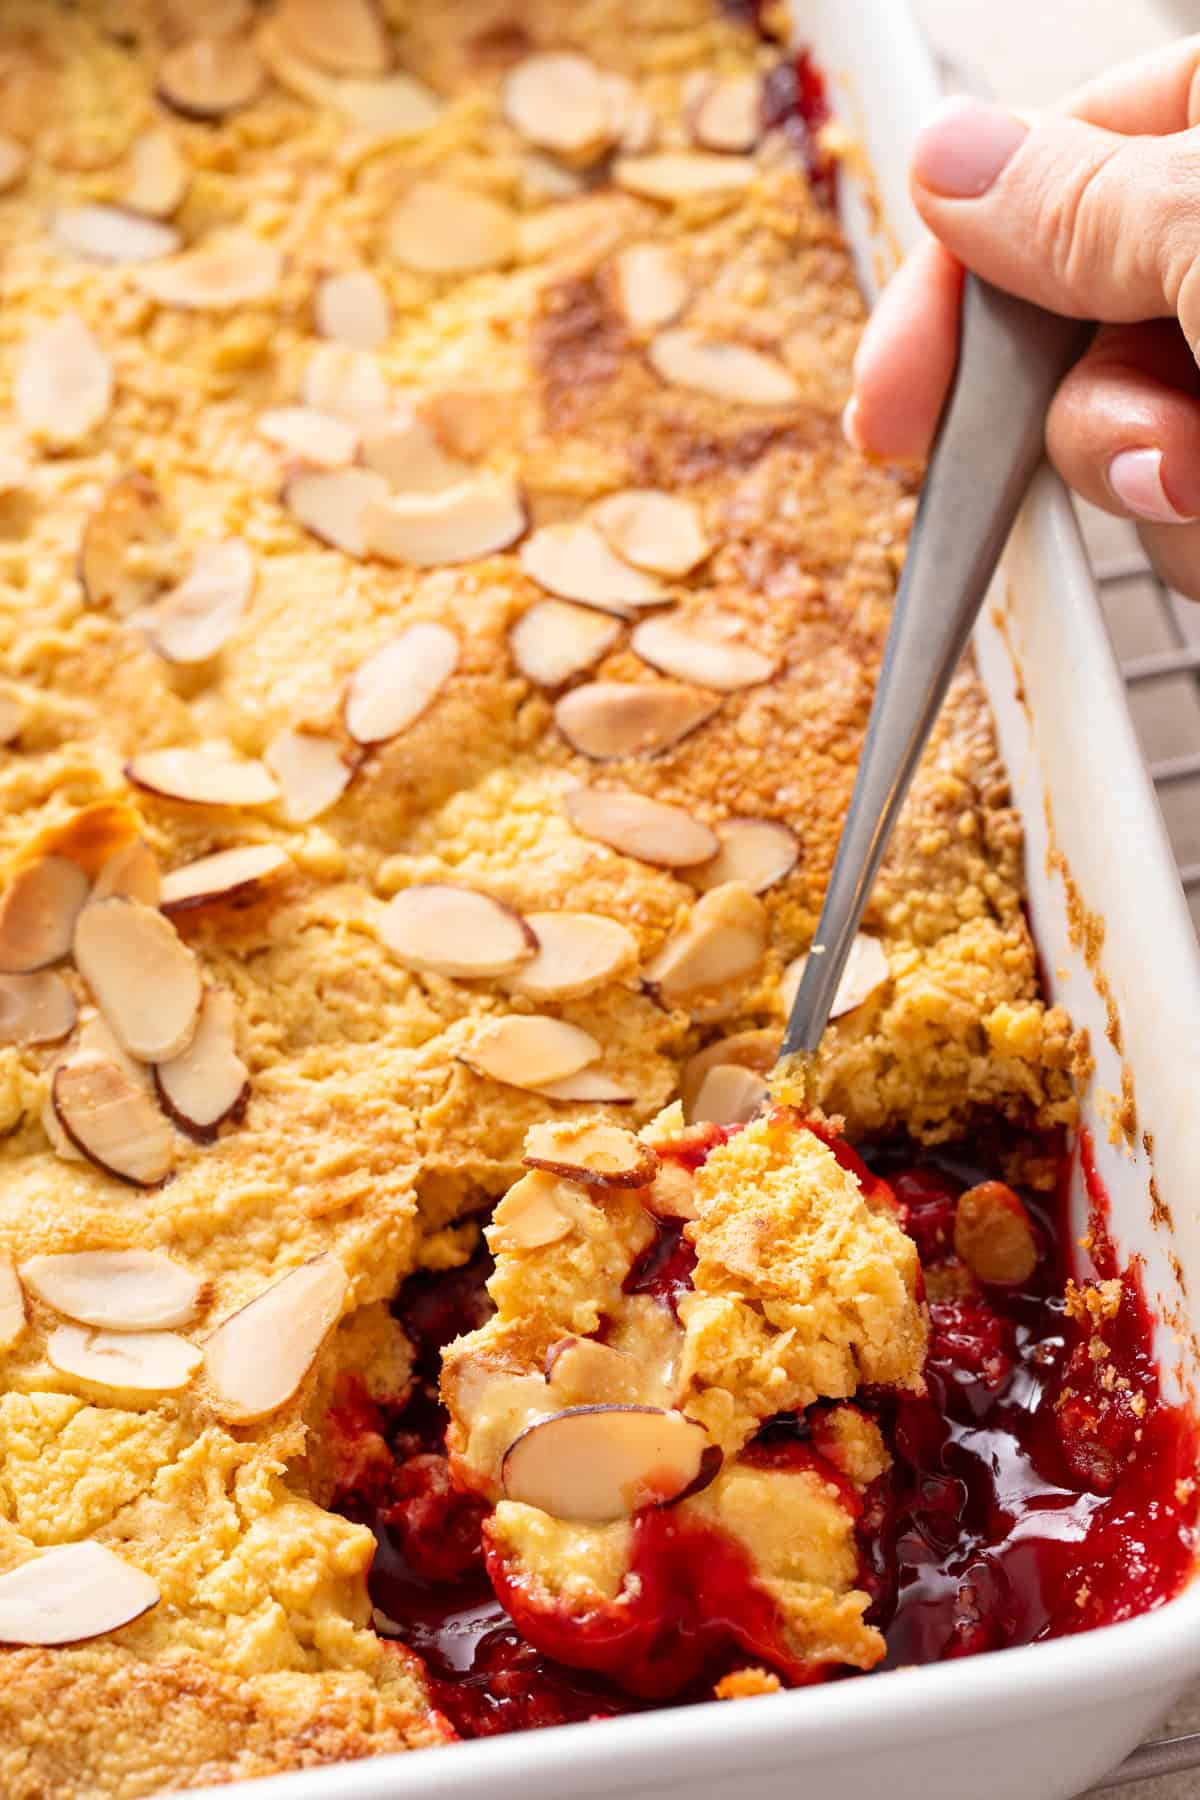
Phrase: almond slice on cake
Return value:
(724, 938)
(455, 931)
(725, 112)
(142, 976)
(257, 1358)
(346, 382)
(866, 969)
(577, 953)
(127, 544)
(347, 39)
(609, 719)
(352, 308)
(63, 384)
(35, 1009)
(529, 1217)
(703, 656)
(441, 228)
(12, 1304)
(38, 910)
(112, 1121)
(599, 1463)
(402, 448)
(472, 519)
(528, 1050)
(386, 106)
(158, 175)
(682, 174)
(140, 1362)
(575, 562)
(71, 1593)
(112, 234)
(591, 1151)
(729, 1095)
(131, 870)
(653, 530)
(115, 1290)
(199, 776)
(652, 290)
(561, 102)
(194, 620)
(638, 826)
(587, 1087)
(236, 876)
(556, 639)
(209, 77)
(320, 439)
(723, 371)
(390, 690)
(757, 852)
(313, 771)
(208, 1082)
(757, 1051)
(233, 270)
(333, 505)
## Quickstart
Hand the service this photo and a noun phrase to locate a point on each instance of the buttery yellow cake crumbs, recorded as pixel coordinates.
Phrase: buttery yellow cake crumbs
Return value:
(364, 407)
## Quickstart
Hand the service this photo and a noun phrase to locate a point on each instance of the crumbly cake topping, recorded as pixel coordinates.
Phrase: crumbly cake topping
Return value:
(412, 489)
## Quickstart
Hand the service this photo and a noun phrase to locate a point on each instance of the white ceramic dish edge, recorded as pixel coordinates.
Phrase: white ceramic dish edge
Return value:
(1038, 1723)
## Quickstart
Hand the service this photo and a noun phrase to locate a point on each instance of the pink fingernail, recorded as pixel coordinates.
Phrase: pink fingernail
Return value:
(963, 150)
(850, 429)
(1136, 479)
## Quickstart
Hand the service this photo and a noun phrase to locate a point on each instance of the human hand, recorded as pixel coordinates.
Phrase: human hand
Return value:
(1091, 209)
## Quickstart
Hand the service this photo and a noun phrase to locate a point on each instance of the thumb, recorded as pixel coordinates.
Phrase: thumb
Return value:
(1083, 221)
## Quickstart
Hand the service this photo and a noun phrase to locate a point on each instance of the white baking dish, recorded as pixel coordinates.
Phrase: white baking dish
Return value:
(1030, 1724)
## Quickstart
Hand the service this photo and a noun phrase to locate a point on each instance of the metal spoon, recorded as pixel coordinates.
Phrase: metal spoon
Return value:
(1012, 358)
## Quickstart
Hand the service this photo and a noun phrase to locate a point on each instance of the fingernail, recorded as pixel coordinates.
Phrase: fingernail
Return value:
(961, 152)
(850, 429)
(1136, 479)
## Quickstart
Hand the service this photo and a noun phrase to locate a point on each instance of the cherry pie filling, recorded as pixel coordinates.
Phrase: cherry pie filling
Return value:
(1040, 1486)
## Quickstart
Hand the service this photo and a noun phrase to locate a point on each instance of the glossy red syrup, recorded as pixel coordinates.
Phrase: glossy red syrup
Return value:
(1032, 1494)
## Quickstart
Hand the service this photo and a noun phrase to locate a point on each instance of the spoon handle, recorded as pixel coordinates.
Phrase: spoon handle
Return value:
(1012, 358)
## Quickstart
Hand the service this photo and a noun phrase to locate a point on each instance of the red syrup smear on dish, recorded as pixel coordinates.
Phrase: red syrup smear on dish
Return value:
(1033, 1495)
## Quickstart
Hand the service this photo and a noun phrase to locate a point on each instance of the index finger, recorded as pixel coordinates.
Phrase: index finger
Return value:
(1152, 96)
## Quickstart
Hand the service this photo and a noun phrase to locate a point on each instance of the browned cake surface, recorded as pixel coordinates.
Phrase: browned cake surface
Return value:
(365, 1137)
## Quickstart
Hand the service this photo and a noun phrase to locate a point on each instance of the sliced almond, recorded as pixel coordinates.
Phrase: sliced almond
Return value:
(138, 1362)
(115, 1290)
(583, 1372)
(209, 77)
(470, 422)
(725, 937)
(682, 174)
(142, 976)
(13, 713)
(133, 871)
(193, 621)
(726, 112)
(724, 371)
(527, 1050)
(652, 289)
(592, 1151)
(993, 1234)
(387, 106)
(347, 39)
(389, 692)
(637, 826)
(12, 1304)
(475, 518)
(111, 234)
(233, 270)
(95, 1035)
(345, 382)
(352, 308)
(560, 101)
(257, 1359)
(866, 969)
(35, 1009)
(575, 562)
(333, 505)
(158, 175)
(126, 544)
(729, 1096)
(598, 1463)
(14, 162)
(208, 1083)
(756, 852)
(112, 1120)
(606, 719)
(38, 910)
(555, 640)
(313, 771)
(654, 531)
(455, 931)
(317, 438)
(234, 877)
(757, 1051)
(529, 1216)
(203, 777)
(70, 1594)
(404, 450)
(577, 953)
(692, 654)
(589, 1087)
(63, 386)
(440, 228)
